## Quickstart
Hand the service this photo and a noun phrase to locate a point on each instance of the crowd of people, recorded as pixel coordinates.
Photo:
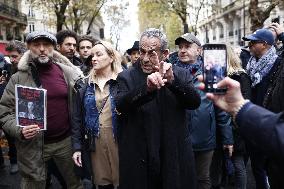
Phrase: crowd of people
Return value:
(145, 123)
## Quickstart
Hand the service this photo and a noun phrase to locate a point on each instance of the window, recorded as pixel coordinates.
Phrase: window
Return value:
(31, 27)
(31, 12)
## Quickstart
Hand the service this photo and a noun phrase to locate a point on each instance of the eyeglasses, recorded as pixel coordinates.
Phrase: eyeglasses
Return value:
(251, 43)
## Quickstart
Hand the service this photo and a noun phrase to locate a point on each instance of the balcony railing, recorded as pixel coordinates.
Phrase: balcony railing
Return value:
(13, 14)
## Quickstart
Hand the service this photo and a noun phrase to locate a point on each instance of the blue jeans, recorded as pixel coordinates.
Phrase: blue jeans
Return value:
(240, 171)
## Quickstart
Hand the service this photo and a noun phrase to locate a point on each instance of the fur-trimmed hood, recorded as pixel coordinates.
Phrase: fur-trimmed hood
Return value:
(57, 57)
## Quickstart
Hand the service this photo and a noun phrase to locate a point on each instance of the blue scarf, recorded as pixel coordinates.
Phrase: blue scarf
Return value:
(257, 70)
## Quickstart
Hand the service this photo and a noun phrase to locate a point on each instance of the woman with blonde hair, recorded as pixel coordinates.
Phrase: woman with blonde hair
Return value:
(236, 72)
(95, 120)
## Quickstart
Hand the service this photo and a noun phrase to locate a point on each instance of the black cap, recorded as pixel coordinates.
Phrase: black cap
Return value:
(135, 47)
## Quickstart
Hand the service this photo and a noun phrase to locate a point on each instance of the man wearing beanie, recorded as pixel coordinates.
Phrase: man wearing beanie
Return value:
(43, 67)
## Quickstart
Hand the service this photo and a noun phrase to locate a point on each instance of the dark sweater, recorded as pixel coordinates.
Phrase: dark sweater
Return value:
(58, 126)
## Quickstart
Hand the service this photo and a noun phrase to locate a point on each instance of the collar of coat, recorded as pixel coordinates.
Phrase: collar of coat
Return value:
(23, 64)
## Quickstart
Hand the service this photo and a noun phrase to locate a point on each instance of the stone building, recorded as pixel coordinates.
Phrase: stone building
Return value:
(221, 21)
(12, 22)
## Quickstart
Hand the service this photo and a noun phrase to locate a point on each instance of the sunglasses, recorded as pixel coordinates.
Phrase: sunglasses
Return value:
(255, 42)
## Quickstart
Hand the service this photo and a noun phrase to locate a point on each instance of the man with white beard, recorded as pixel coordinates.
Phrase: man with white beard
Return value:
(43, 67)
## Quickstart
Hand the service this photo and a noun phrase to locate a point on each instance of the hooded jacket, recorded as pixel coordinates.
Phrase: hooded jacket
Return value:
(30, 152)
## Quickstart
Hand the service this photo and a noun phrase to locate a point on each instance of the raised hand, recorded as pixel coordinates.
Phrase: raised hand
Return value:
(163, 73)
(231, 100)
(155, 81)
(277, 28)
(168, 73)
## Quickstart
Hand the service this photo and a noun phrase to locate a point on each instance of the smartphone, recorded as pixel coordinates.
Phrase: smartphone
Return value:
(214, 67)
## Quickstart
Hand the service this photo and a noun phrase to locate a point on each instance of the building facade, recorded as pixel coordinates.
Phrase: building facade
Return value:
(12, 22)
(38, 18)
(227, 21)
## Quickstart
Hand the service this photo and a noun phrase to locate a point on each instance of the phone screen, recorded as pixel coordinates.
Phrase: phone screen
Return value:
(215, 66)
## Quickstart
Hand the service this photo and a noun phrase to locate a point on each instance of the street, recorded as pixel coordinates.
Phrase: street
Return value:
(8, 181)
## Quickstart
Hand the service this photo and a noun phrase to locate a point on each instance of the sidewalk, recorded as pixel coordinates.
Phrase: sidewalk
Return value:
(8, 181)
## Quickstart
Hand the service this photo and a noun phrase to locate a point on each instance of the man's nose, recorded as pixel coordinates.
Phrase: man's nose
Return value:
(72, 47)
(183, 49)
(41, 48)
(146, 58)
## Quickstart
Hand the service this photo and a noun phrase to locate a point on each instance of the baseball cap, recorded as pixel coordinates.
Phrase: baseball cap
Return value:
(189, 38)
(261, 35)
(41, 34)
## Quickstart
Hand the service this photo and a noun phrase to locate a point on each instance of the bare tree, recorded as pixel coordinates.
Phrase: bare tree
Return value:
(81, 11)
(178, 7)
(72, 13)
(258, 15)
(116, 15)
(200, 6)
(57, 6)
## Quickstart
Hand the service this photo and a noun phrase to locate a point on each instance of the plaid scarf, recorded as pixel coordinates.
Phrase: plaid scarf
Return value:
(257, 70)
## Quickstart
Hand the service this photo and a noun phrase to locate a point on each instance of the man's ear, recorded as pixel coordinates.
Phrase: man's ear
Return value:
(165, 54)
(199, 50)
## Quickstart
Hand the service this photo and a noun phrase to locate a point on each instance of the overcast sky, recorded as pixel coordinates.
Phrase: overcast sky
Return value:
(130, 33)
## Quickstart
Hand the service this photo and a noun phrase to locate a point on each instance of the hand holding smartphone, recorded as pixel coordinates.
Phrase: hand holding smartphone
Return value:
(214, 67)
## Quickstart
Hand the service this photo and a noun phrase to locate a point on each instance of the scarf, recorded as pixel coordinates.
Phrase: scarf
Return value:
(257, 70)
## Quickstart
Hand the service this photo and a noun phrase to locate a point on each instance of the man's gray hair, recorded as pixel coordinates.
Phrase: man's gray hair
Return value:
(153, 32)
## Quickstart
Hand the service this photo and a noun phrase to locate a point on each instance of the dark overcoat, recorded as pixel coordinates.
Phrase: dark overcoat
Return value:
(154, 143)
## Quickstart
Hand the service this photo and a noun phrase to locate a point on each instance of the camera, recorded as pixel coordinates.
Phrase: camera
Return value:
(5, 73)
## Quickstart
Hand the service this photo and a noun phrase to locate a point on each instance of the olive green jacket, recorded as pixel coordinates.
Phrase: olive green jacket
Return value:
(30, 152)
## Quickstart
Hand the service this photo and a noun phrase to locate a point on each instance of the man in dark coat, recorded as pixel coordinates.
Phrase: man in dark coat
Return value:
(154, 143)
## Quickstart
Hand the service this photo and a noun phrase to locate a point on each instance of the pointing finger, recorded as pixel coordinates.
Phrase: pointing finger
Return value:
(161, 68)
